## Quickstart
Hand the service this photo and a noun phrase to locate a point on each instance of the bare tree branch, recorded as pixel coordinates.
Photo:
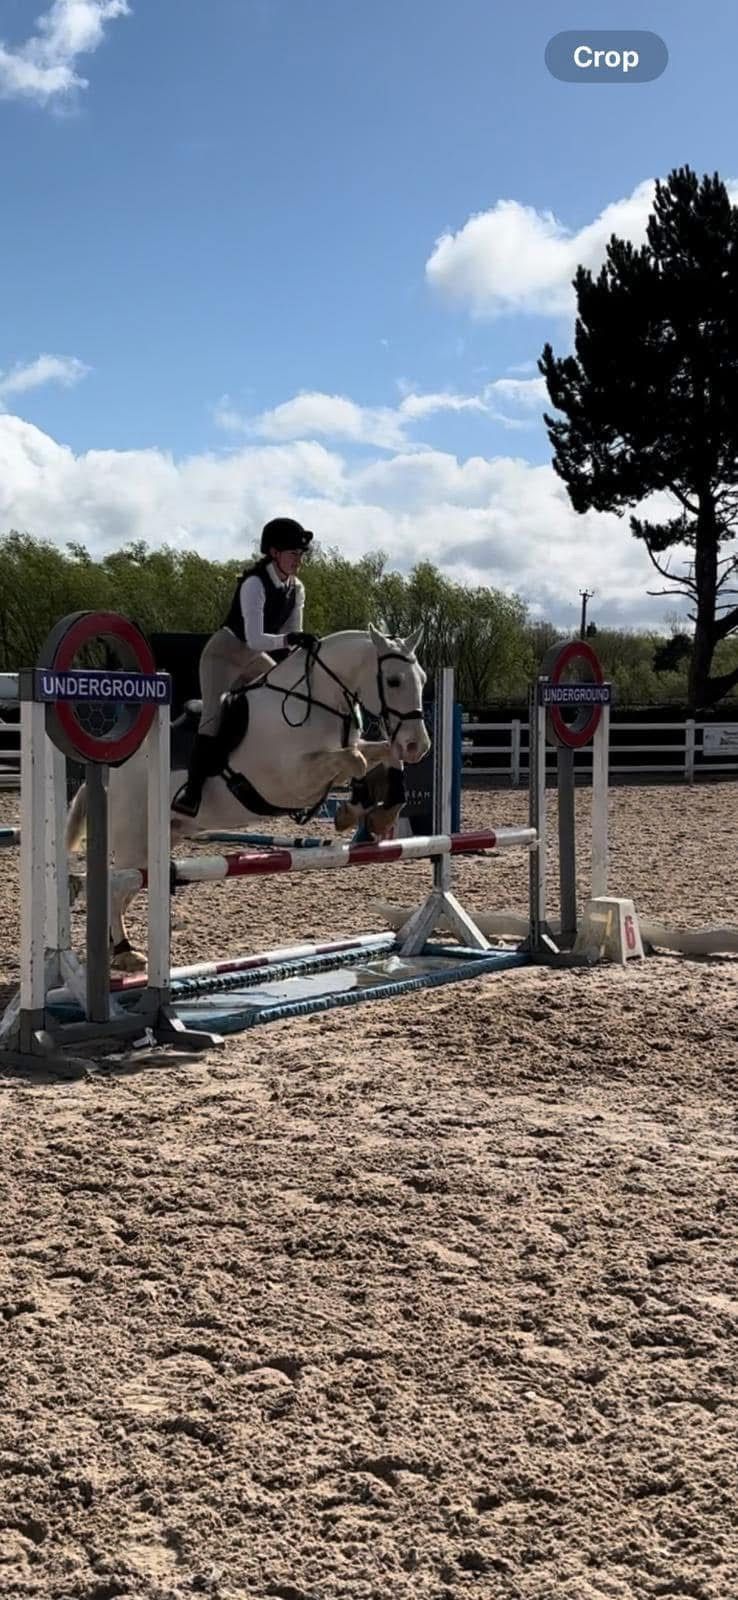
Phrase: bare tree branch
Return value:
(664, 572)
(683, 498)
(669, 594)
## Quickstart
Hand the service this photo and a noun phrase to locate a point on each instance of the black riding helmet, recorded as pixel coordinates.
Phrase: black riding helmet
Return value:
(283, 533)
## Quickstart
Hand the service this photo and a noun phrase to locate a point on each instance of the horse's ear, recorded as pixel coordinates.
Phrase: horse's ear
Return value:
(410, 644)
(377, 638)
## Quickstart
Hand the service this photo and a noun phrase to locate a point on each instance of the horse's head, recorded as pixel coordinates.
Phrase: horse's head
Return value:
(398, 694)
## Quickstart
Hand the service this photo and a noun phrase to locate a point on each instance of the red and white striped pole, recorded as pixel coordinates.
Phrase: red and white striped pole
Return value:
(258, 863)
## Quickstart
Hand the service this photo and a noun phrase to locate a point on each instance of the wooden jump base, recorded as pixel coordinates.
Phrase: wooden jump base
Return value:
(659, 935)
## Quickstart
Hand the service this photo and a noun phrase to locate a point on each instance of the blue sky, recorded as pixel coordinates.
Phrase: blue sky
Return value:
(302, 255)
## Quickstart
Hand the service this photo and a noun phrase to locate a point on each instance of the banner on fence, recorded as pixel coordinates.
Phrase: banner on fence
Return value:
(721, 739)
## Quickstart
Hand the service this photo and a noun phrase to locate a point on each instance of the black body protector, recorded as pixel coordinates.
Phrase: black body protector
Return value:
(278, 601)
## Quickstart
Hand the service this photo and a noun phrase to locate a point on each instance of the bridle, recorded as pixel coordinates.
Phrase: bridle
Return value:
(385, 709)
(350, 715)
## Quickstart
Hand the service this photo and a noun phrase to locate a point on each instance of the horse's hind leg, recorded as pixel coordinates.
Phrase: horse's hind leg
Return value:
(128, 840)
(124, 957)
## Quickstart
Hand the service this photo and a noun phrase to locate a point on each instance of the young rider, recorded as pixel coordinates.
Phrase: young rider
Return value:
(265, 617)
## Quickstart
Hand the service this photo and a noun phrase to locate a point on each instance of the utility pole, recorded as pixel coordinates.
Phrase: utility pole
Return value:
(586, 594)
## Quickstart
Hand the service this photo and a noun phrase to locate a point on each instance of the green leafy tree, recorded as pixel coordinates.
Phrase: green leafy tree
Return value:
(651, 402)
(669, 655)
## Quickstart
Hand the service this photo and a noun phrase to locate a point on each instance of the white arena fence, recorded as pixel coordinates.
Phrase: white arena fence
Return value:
(685, 751)
(9, 754)
(9, 733)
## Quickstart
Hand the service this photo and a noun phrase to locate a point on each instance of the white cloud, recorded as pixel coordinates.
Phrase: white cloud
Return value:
(496, 521)
(43, 69)
(426, 405)
(530, 394)
(309, 414)
(227, 417)
(66, 370)
(513, 258)
(333, 416)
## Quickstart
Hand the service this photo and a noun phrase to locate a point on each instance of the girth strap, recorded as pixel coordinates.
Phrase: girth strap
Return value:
(244, 792)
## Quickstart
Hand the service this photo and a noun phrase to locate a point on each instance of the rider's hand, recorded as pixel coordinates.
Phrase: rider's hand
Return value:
(301, 641)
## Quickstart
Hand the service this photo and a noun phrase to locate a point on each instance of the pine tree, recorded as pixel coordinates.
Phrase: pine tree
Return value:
(651, 399)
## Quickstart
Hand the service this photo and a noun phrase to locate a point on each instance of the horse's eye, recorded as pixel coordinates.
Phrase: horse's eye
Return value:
(394, 683)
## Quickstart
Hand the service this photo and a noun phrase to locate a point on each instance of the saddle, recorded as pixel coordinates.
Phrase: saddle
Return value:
(233, 728)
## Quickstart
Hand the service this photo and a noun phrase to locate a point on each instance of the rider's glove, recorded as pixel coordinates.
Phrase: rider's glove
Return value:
(301, 641)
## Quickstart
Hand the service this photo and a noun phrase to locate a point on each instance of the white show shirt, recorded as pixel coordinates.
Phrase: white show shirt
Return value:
(252, 608)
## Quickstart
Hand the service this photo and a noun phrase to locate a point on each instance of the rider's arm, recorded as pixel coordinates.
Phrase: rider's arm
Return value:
(252, 606)
(294, 620)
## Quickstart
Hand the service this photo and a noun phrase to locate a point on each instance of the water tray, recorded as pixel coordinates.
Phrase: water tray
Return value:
(303, 988)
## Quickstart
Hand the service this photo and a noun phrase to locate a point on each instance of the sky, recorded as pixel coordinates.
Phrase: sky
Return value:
(301, 257)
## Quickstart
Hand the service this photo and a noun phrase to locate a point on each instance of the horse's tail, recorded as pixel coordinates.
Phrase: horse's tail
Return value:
(76, 820)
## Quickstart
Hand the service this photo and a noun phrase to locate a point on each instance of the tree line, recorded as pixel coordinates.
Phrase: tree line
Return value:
(488, 637)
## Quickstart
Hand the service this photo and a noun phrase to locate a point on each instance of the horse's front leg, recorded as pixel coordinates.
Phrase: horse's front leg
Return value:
(377, 802)
(326, 767)
(376, 752)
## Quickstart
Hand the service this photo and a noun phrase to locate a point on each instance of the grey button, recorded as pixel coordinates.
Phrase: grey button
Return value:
(606, 56)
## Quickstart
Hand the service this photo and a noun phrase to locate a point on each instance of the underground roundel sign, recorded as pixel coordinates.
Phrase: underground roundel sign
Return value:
(99, 714)
(584, 696)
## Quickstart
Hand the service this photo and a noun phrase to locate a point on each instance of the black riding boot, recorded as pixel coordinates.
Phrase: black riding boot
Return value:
(203, 765)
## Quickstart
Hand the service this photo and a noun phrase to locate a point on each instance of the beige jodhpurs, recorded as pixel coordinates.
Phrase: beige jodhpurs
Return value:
(225, 664)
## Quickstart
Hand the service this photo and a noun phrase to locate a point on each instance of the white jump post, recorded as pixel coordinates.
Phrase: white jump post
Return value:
(590, 701)
(45, 956)
(600, 864)
(442, 904)
(33, 875)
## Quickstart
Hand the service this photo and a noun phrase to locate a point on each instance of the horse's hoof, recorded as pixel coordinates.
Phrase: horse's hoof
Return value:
(76, 888)
(347, 816)
(381, 822)
(129, 961)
